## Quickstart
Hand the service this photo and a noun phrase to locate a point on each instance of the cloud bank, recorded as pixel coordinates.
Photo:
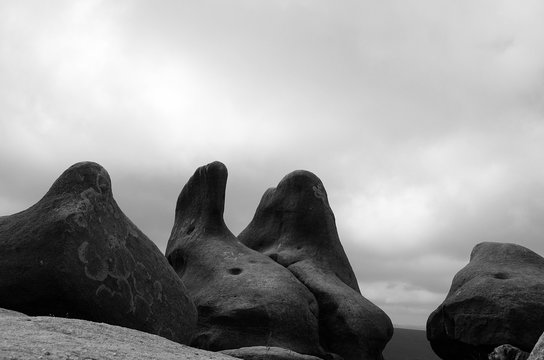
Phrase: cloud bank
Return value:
(424, 120)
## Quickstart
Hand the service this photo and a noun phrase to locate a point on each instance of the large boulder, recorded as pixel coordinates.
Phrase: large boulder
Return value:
(52, 338)
(75, 254)
(295, 226)
(243, 298)
(498, 298)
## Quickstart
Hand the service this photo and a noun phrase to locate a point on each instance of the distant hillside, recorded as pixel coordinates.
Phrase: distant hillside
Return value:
(409, 344)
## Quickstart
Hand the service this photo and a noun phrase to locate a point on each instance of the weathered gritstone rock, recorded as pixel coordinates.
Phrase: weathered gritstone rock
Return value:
(243, 297)
(268, 353)
(75, 254)
(498, 298)
(507, 352)
(49, 338)
(538, 350)
(295, 226)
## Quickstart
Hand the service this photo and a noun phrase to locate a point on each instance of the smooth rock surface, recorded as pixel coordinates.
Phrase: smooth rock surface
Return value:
(498, 298)
(295, 226)
(243, 298)
(75, 254)
(50, 338)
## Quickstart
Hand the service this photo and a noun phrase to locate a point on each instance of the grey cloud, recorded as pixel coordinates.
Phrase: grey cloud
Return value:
(438, 98)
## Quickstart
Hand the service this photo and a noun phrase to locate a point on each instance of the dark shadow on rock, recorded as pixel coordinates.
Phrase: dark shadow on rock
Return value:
(498, 298)
(243, 297)
(75, 254)
(295, 226)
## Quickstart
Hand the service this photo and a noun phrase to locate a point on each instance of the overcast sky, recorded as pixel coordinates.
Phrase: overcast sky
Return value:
(423, 119)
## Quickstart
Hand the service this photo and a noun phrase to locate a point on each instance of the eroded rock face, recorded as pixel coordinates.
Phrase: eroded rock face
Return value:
(294, 225)
(243, 298)
(75, 254)
(498, 298)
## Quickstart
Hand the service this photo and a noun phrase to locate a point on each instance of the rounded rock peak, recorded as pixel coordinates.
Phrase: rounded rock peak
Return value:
(80, 177)
(302, 187)
(203, 196)
(214, 170)
(208, 180)
(216, 165)
(499, 252)
(299, 178)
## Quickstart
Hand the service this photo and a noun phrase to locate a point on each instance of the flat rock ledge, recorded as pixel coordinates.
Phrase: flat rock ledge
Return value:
(269, 353)
(52, 338)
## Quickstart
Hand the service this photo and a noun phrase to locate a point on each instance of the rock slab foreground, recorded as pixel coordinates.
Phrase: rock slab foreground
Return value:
(53, 338)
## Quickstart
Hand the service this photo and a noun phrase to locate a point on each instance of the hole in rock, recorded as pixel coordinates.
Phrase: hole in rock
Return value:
(235, 271)
(190, 229)
(501, 276)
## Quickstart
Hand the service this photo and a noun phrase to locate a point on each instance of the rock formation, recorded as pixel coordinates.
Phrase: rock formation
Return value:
(243, 298)
(75, 254)
(52, 338)
(295, 226)
(498, 298)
